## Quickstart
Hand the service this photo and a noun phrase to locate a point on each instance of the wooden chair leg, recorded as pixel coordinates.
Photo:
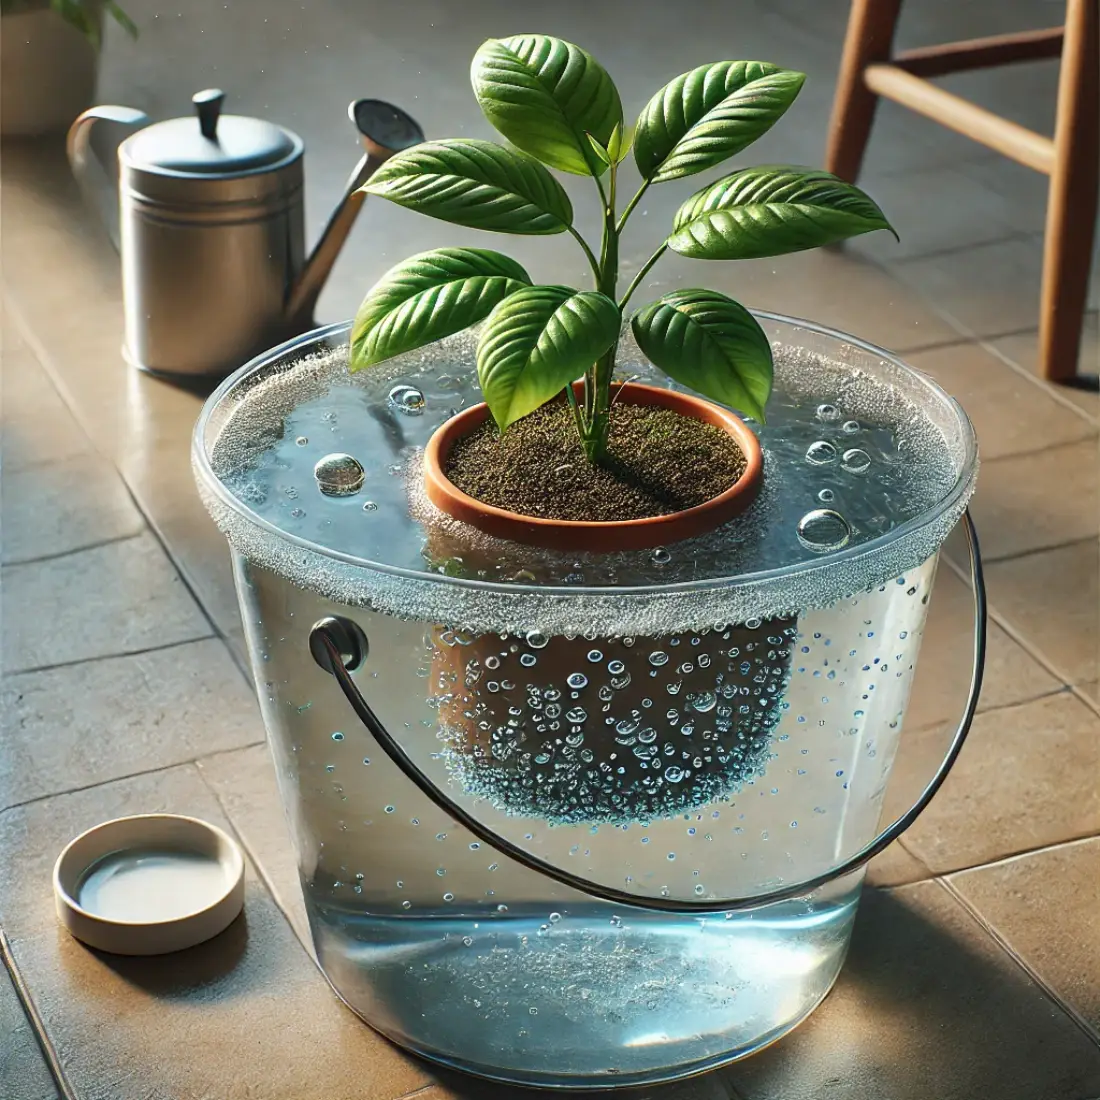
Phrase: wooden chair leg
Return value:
(1071, 206)
(869, 39)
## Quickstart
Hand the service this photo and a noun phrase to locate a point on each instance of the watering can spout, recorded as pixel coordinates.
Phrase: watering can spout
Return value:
(383, 131)
(100, 189)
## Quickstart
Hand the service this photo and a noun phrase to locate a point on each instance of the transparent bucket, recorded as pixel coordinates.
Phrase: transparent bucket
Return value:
(584, 823)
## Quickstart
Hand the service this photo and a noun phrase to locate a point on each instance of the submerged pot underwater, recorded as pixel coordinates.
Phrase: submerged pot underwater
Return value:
(580, 819)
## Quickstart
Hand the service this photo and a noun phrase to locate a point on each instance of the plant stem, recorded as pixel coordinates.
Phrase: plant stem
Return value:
(593, 262)
(641, 275)
(578, 418)
(630, 205)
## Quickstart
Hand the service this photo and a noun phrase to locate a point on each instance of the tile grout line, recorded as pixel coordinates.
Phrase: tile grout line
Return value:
(107, 656)
(75, 550)
(122, 778)
(39, 352)
(1036, 654)
(1022, 963)
(38, 1026)
(253, 858)
(985, 343)
(1017, 555)
(1001, 861)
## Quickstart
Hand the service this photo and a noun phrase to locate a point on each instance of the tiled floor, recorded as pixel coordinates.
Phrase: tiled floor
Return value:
(973, 972)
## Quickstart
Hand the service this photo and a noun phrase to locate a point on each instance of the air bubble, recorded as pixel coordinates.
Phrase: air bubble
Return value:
(536, 640)
(407, 399)
(338, 475)
(658, 658)
(823, 529)
(826, 496)
(820, 453)
(577, 680)
(302, 440)
(616, 668)
(828, 413)
(855, 461)
(370, 506)
(595, 656)
(850, 426)
(660, 556)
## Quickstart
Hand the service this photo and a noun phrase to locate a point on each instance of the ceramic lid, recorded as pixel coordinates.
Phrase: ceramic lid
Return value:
(149, 884)
(209, 144)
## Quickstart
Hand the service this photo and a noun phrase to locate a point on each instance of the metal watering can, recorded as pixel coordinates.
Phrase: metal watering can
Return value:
(207, 214)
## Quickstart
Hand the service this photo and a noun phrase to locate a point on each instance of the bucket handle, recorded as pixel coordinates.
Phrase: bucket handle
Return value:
(339, 645)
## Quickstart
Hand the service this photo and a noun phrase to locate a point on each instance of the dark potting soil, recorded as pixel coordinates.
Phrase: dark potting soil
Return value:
(657, 462)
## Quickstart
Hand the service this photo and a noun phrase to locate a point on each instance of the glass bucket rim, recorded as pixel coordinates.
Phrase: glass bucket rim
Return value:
(954, 498)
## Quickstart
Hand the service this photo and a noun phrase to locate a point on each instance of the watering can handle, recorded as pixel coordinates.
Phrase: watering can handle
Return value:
(337, 644)
(99, 186)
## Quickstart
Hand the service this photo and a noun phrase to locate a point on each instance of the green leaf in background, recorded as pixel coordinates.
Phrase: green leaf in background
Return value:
(711, 343)
(602, 155)
(544, 95)
(709, 114)
(536, 342)
(769, 211)
(429, 296)
(620, 142)
(477, 184)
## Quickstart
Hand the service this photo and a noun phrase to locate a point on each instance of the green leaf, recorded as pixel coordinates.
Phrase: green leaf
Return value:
(429, 296)
(536, 342)
(769, 211)
(475, 183)
(620, 143)
(601, 153)
(709, 114)
(544, 95)
(711, 343)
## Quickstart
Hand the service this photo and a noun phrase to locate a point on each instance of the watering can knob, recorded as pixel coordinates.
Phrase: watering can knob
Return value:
(346, 636)
(208, 103)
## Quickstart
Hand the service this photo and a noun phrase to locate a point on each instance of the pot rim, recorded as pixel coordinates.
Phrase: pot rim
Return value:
(338, 334)
(598, 535)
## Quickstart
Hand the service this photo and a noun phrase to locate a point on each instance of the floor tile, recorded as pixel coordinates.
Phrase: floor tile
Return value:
(161, 480)
(896, 867)
(23, 1070)
(1023, 349)
(1019, 192)
(110, 600)
(1011, 413)
(933, 210)
(989, 289)
(1051, 600)
(944, 666)
(244, 782)
(1025, 779)
(99, 720)
(1038, 501)
(37, 425)
(64, 506)
(245, 1015)
(832, 287)
(1044, 906)
(910, 1018)
(454, 1086)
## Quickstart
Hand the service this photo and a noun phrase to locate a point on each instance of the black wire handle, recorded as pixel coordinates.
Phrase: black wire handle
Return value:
(338, 643)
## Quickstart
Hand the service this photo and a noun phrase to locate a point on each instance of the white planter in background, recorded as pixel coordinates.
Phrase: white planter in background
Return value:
(47, 73)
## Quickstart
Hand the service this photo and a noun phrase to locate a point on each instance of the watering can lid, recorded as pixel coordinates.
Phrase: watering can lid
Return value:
(211, 145)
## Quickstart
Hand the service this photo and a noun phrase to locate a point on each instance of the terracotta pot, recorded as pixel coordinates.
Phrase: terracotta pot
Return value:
(611, 729)
(633, 534)
(47, 72)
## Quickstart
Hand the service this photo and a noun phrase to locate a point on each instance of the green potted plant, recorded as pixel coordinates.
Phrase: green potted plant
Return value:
(49, 55)
(560, 454)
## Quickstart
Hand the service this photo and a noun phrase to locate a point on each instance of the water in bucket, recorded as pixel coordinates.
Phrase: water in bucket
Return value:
(709, 720)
